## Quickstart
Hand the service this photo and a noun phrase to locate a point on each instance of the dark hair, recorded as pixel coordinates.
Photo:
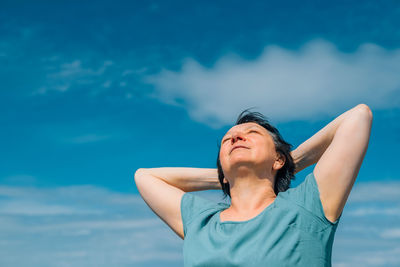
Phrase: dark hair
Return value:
(285, 174)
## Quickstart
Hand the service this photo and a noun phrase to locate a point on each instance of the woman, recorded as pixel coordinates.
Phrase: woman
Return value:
(266, 223)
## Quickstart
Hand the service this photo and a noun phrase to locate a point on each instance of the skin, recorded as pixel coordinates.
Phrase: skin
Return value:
(338, 150)
(251, 182)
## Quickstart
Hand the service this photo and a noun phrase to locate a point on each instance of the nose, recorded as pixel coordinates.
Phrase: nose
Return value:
(237, 136)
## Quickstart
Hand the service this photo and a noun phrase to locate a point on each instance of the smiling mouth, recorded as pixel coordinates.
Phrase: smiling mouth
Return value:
(238, 147)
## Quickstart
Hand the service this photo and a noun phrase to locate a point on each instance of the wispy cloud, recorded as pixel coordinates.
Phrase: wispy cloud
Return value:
(376, 191)
(69, 74)
(391, 233)
(84, 131)
(90, 225)
(378, 257)
(368, 234)
(375, 211)
(317, 80)
(33, 208)
(82, 226)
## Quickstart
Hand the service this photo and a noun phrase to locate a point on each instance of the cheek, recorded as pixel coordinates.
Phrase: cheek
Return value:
(223, 156)
(266, 153)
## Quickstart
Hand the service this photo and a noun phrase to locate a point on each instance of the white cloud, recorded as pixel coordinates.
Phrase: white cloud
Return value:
(82, 226)
(376, 191)
(368, 211)
(391, 233)
(63, 76)
(378, 257)
(317, 80)
(32, 208)
(134, 71)
(92, 226)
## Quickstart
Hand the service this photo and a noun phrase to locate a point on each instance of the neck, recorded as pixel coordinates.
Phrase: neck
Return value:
(251, 193)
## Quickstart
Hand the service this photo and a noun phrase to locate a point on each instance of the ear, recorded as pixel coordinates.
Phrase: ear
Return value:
(225, 181)
(279, 161)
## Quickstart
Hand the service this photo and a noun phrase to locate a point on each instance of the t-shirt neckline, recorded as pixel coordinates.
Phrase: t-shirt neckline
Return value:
(270, 206)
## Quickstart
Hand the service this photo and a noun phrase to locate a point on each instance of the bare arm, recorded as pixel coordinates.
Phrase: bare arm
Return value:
(310, 151)
(338, 149)
(162, 190)
(187, 179)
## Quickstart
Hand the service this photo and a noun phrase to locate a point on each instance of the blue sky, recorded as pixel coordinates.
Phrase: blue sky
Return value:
(93, 91)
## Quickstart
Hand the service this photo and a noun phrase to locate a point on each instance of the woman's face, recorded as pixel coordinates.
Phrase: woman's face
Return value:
(257, 149)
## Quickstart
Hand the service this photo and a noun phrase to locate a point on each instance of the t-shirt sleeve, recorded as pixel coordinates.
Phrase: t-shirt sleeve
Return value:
(192, 206)
(307, 196)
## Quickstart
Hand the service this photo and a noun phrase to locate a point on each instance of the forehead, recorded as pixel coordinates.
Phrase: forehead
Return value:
(245, 126)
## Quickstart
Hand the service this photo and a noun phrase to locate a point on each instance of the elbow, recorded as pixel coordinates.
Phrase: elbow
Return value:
(365, 111)
(139, 172)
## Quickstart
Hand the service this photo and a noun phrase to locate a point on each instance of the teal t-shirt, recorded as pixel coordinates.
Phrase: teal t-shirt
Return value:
(292, 231)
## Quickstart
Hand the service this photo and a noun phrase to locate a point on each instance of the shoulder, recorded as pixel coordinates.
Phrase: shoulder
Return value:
(298, 193)
(190, 200)
(306, 195)
(194, 207)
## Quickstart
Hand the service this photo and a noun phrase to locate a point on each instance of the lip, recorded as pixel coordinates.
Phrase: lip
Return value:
(238, 147)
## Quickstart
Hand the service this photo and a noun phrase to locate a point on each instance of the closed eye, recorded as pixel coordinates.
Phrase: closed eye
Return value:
(251, 131)
(254, 131)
